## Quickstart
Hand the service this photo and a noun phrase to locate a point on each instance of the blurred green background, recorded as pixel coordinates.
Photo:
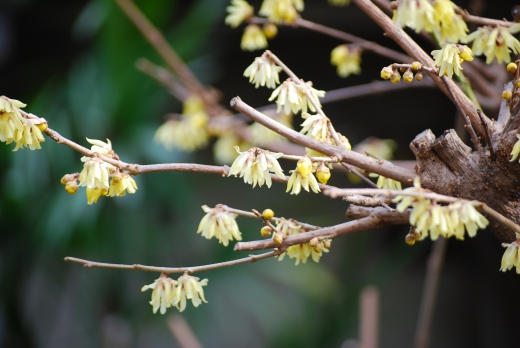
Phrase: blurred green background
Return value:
(73, 63)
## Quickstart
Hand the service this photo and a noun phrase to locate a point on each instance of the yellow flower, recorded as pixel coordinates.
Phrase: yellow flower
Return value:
(220, 224)
(188, 288)
(387, 183)
(449, 58)
(304, 166)
(93, 194)
(253, 38)
(188, 134)
(224, 150)
(323, 173)
(239, 10)
(346, 60)
(297, 181)
(453, 27)
(101, 147)
(288, 227)
(511, 258)
(416, 14)
(315, 126)
(162, 292)
(281, 10)
(495, 42)
(516, 149)
(120, 183)
(95, 173)
(255, 166)
(193, 105)
(292, 97)
(263, 72)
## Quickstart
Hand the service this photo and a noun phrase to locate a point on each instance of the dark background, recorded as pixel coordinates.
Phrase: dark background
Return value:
(73, 63)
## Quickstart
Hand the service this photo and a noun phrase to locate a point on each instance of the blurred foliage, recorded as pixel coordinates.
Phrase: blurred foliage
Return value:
(78, 73)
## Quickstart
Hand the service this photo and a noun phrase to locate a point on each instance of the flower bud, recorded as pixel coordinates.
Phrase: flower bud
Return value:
(465, 53)
(66, 178)
(323, 173)
(270, 30)
(314, 241)
(71, 187)
(266, 231)
(396, 77)
(278, 238)
(386, 73)
(104, 191)
(318, 248)
(408, 76)
(268, 214)
(506, 95)
(419, 76)
(116, 178)
(42, 126)
(512, 68)
(416, 66)
(304, 166)
(327, 243)
(410, 239)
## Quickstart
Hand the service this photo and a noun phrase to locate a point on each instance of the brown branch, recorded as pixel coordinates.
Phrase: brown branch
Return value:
(168, 270)
(380, 217)
(482, 20)
(164, 77)
(386, 169)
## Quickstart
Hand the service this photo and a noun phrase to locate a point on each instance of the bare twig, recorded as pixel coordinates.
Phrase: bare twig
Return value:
(168, 270)
(366, 201)
(252, 215)
(482, 20)
(353, 170)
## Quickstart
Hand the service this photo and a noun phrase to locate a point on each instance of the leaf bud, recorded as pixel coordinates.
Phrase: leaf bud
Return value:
(408, 76)
(270, 30)
(268, 214)
(304, 166)
(266, 231)
(512, 68)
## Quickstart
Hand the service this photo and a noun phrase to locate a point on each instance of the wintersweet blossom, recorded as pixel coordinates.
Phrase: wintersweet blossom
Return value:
(253, 38)
(416, 14)
(220, 224)
(315, 126)
(495, 42)
(297, 181)
(347, 60)
(95, 173)
(288, 227)
(188, 287)
(511, 257)
(121, 183)
(263, 72)
(187, 133)
(452, 26)
(239, 10)
(281, 10)
(386, 183)
(255, 166)
(449, 58)
(292, 97)
(516, 149)
(162, 291)
(224, 150)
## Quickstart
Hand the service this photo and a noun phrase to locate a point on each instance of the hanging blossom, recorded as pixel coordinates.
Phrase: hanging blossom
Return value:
(239, 10)
(292, 97)
(452, 26)
(281, 10)
(516, 149)
(220, 224)
(162, 292)
(511, 256)
(120, 184)
(224, 150)
(188, 288)
(302, 177)
(495, 42)
(347, 60)
(253, 38)
(255, 166)
(263, 72)
(415, 14)
(386, 183)
(449, 58)
(435, 220)
(25, 132)
(188, 132)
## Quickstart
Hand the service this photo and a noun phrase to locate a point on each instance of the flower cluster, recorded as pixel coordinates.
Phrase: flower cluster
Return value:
(346, 60)
(167, 292)
(25, 132)
(263, 72)
(392, 73)
(317, 128)
(415, 14)
(452, 26)
(495, 42)
(292, 97)
(187, 133)
(450, 57)
(281, 10)
(511, 257)
(239, 10)
(255, 166)
(253, 38)
(435, 220)
(220, 224)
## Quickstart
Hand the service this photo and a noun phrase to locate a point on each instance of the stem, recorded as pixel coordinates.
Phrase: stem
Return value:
(168, 270)
(252, 215)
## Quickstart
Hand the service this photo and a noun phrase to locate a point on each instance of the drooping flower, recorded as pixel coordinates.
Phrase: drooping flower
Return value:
(255, 166)
(95, 173)
(239, 10)
(347, 60)
(224, 148)
(386, 183)
(121, 183)
(220, 224)
(100, 147)
(416, 14)
(453, 28)
(281, 10)
(162, 292)
(288, 227)
(263, 72)
(188, 287)
(297, 181)
(450, 57)
(315, 126)
(516, 149)
(253, 38)
(188, 134)
(292, 97)
(495, 42)
(511, 257)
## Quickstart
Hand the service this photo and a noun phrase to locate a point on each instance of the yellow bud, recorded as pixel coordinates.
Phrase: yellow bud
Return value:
(278, 238)
(290, 14)
(42, 126)
(266, 231)
(327, 243)
(409, 239)
(396, 77)
(270, 30)
(323, 174)
(511, 68)
(314, 241)
(65, 179)
(387, 72)
(506, 95)
(268, 214)
(304, 166)
(416, 66)
(71, 187)
(465, 53)
(318, 248)
(104, 192)
(419, 76)
(408, 76)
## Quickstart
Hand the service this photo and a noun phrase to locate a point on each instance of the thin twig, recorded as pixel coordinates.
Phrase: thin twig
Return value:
(168, 270)
(252, 215)
(482, 20)
(487, 134)
(353, 170)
